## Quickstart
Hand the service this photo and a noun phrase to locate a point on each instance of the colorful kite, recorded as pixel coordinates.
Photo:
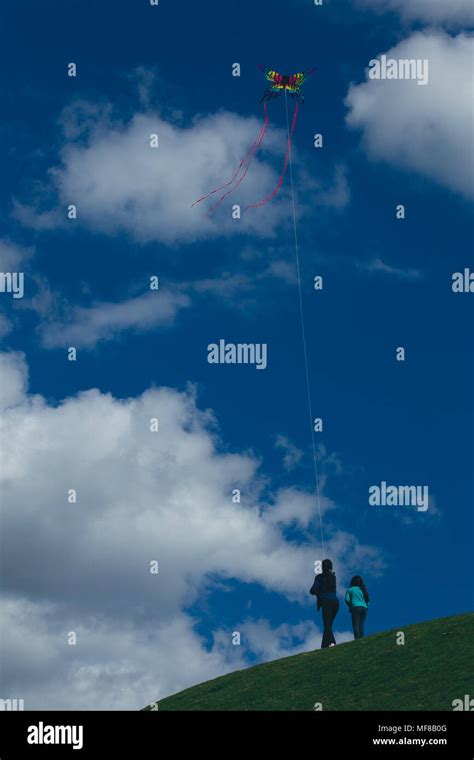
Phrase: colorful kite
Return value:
(289, 84)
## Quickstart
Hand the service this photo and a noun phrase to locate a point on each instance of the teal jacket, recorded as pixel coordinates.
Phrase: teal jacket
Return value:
(355, 598)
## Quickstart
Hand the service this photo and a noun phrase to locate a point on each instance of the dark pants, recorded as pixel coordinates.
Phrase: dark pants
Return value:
(330, 608)
(358, 619)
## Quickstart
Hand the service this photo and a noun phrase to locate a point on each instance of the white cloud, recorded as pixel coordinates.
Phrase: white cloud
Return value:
(14, 375)
(120, 184)
(378, 266)
(336, 194)
(292, 455)
(6, 326)
(431, 11)
(13, 256)
(295, 506)
(30, 216)
(141, 496)
(85, 327)
(427, 129)
(284, 270)
(112, 667)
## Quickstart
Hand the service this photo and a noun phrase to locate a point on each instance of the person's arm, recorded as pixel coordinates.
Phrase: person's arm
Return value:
(315, 587)
(347, 598)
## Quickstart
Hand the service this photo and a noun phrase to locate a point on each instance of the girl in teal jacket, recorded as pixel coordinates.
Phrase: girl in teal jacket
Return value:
(357, 599)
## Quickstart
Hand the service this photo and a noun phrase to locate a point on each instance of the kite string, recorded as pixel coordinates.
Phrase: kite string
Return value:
(287, 156)
(303, 332)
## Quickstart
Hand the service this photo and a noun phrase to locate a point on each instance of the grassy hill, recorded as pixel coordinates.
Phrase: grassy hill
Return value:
(433, 667)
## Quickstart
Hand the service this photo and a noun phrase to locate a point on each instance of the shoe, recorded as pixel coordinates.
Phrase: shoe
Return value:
(332, 645)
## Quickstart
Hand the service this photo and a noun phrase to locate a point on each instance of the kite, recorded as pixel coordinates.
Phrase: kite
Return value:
(279, 83)
(291, 83)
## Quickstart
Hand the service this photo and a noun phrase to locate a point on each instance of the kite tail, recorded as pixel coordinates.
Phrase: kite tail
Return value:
(250, 152)
(250, 156)
(287, 155)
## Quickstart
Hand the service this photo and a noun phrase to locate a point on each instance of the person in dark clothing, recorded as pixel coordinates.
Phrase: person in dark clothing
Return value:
(357, 599)
(324, 589)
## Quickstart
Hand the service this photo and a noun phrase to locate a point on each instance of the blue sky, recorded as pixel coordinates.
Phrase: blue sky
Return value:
(387, 283)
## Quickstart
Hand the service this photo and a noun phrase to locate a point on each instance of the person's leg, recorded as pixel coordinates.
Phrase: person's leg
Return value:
(355, 622)
(359, 625)
(325, 610)
(329, 609)
(334, 611)
(363, 615)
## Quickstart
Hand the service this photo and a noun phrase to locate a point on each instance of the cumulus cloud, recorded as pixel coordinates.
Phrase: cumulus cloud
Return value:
(84, 566)
(14, 375)
(295, 506)
(430, 11)
(119, 183)
(427, 129)
(111, 667)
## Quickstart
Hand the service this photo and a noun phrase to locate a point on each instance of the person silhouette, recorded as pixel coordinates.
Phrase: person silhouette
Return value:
(357, 599)
(324, 589)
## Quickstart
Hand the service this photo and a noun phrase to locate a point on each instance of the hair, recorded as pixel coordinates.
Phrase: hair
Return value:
(357, 580)
(327, 566)
(328, 575)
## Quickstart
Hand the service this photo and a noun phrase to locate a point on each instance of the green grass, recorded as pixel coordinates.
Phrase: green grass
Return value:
(433, 667)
